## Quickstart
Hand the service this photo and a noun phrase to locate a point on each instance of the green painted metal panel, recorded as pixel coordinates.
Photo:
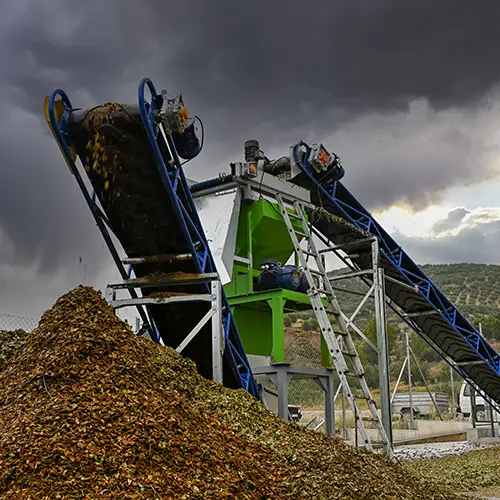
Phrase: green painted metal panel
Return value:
(260, 315)
(295, 301)
(262, 231)
(255, 329)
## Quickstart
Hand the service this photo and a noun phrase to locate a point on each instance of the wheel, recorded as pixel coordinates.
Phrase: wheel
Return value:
(480, 414)
(405, 414)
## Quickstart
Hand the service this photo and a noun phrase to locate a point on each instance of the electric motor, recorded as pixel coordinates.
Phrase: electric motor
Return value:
(274, 275)
(179, 126)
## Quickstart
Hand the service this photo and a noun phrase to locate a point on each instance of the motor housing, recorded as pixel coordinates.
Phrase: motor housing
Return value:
(273, 275)
(181, 128)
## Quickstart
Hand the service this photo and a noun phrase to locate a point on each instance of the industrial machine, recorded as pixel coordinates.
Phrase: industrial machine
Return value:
(268, 210)
(410, 293)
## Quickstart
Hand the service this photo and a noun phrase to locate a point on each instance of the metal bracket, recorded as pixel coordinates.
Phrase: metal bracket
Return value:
(214, 313)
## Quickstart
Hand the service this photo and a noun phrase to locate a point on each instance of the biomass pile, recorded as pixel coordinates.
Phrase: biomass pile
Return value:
(91, 411)
(10, 342)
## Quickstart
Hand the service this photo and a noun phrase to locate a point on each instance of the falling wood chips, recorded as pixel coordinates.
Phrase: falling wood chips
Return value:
(91, 411)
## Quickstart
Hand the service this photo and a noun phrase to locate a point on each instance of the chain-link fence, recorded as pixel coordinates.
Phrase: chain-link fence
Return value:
(303, 348)
(10, 323)
(13, 333)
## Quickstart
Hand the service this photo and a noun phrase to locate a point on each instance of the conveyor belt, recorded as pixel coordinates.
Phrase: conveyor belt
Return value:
(151, 213)
(432, 313)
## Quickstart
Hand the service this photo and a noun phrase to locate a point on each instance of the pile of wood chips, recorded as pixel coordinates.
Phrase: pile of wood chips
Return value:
(89, 410)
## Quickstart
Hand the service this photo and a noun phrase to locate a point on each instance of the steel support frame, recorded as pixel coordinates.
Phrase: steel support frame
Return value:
(376, 291)
(281, 374)
(214, 314)
(176, 186)
(346, 205)
(179, 193)
(407, 319)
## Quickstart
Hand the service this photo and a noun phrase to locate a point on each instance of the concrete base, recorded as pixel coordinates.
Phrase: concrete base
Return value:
(479, 434)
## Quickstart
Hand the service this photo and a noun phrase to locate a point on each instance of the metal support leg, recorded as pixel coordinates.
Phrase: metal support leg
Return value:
(344, 415)
(329, 408)
(216, 332)
(381, 320)
(473, 406)
(426, 384)
(412, 424)
(453, 402)
(282, 386)
(492, 423)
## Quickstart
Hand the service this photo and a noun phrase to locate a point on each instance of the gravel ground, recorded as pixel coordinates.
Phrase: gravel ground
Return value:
(436, 450)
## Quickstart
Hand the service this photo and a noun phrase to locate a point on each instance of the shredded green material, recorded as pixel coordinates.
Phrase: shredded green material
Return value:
(89, 410)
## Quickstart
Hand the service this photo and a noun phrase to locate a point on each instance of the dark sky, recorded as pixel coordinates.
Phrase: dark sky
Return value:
(405, 92)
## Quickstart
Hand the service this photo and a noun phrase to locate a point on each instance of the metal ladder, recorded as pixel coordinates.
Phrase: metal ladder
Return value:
(339, 342)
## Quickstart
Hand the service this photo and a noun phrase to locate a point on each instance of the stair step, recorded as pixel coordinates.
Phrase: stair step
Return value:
(317, 273)
(369, 419)
(339, 332)
(307, 252)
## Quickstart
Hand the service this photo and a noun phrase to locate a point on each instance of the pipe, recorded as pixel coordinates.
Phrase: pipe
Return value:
(200, 186)
(215, 189)
(278, 166)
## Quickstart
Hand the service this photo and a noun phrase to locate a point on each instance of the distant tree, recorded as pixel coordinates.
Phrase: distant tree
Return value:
(310, 324)
(371, 332)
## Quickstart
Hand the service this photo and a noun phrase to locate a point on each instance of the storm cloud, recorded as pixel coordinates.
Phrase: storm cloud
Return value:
(474, 243)
(405, 92)
(450, 222)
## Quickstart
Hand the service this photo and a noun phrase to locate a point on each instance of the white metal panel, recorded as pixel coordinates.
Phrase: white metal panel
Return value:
(219, 214)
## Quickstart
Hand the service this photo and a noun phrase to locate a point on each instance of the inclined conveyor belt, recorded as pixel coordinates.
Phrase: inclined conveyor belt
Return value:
(424, 307)
(148, 213)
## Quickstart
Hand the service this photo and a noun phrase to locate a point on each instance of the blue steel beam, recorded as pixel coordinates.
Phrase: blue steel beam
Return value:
(178, 191)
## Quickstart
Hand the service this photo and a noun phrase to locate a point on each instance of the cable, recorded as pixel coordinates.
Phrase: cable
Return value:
(260, 185)
(202, 141)
(202, 132)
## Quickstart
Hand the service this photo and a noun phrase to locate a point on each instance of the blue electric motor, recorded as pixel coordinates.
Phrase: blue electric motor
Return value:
(303, 285)
(273, 275)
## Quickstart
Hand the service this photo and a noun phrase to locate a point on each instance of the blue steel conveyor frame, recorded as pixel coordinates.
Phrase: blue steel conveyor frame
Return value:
(182, 220)
(411, 293)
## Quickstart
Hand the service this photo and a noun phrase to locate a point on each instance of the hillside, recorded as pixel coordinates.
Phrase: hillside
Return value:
(473, 288)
